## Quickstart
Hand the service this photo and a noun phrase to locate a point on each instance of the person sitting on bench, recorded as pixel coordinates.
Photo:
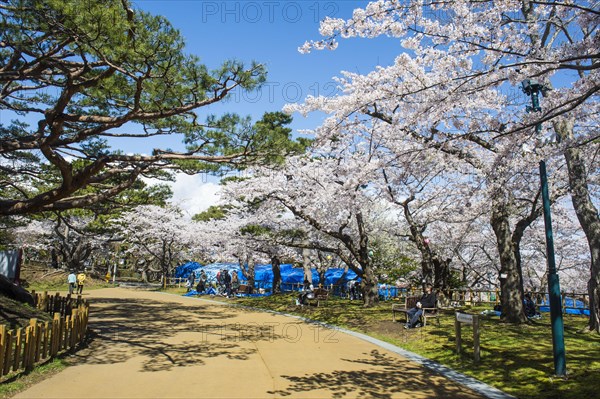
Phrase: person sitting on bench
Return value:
(427, 300)
(306, 294)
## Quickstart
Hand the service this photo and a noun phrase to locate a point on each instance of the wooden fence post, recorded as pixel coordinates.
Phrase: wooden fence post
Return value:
(25, 362)
(73, 328)
(55, 334)
(8, 354)
(20, 350)
(38, 342)
(44, 301)
(63, 333)
(2, 347)
(46, 332)
(30, 345)
(56, 303)
(86, 319)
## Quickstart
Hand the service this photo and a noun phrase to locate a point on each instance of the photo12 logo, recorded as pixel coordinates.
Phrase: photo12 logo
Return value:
(285, 92)
(267, 11)
(292, 332)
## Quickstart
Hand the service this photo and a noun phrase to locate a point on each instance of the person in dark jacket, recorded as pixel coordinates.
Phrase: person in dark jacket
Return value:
(201, 287)
(427, 300)
(227, 282)
(530, 309)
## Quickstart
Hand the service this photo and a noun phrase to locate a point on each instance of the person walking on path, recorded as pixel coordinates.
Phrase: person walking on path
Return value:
(80, 281)
(72, 280)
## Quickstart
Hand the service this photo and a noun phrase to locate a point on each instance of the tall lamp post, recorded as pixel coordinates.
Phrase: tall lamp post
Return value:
(533, 88)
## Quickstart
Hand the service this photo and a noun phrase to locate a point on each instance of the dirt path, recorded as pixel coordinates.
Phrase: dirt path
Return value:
(152, 345)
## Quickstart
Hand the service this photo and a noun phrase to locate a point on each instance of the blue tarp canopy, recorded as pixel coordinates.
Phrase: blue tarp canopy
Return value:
(211, 270)
(570, 306)
(263, 274)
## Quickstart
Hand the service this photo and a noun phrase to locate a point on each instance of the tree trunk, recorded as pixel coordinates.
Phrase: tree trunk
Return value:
(422, 243)
(306, 266)
(276, 265)
(247, 268)
(588, 218)
(441, 282)
(54, 257)
(144, 276)
(516, 241)
(324, 264)
(512, 301)
(321, 272)
(517, 236)
(368, 286)
(369, 280)
(441, 274)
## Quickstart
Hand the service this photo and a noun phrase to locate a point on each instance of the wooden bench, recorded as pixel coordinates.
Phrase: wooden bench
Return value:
(243, 289)
(411, 302)
(319, 294)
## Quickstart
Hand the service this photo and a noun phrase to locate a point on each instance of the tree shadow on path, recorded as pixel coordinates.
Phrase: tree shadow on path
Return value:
(383, 377)
(165, 334)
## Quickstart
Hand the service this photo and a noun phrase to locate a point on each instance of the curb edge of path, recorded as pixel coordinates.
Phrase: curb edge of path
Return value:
(470, 382)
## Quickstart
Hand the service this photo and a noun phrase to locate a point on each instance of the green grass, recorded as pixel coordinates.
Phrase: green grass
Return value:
(514, 358)
(20, 382)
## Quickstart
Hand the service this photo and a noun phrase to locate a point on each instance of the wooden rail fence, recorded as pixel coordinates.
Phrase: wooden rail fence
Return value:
(56, 303)
(22, 348)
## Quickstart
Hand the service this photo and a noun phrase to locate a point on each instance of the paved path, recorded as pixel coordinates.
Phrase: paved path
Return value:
(153, 345)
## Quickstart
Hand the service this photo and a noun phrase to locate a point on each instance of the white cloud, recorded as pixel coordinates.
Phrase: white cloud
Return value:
(194, 194)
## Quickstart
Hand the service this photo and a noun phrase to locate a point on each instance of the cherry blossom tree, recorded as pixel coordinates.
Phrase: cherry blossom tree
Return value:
(454, 89)
(161, 235)
(67, 241)
(234, 236)
(322, 205)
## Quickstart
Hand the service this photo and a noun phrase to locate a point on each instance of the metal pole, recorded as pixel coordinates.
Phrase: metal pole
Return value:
(558, 340)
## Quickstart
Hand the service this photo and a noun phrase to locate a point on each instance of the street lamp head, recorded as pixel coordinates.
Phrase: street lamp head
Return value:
(530, 86)
(533, 86)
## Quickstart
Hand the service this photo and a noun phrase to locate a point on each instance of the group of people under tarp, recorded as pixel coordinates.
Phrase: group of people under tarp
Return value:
(227, 284)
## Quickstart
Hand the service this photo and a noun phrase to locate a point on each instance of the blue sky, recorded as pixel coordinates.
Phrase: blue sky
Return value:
(268, 32)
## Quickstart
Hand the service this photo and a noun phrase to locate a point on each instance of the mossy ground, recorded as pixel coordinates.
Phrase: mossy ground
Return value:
(15, 384)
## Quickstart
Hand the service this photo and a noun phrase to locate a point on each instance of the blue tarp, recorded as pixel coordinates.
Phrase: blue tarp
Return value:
(580, 311)
(211, 270)
(570, 306)
(263, 274)
(184, 270)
